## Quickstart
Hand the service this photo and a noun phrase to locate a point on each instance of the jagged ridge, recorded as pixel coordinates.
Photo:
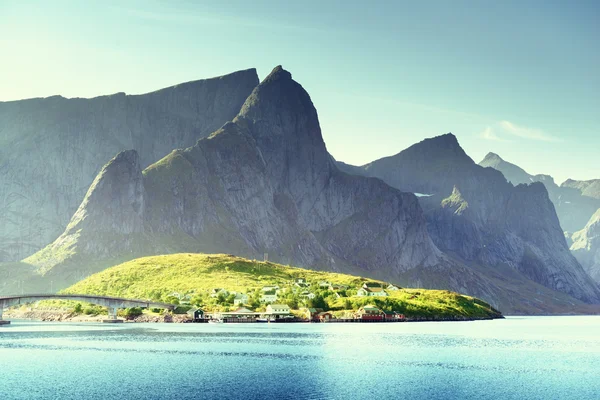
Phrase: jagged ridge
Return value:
(51, 149)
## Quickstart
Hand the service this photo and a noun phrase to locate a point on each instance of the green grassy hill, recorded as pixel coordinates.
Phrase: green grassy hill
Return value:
(192, 276)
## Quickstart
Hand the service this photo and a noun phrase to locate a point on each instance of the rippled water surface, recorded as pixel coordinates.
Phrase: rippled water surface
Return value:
(516, 358)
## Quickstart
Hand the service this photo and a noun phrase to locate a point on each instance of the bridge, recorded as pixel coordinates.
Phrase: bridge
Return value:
(112, 303)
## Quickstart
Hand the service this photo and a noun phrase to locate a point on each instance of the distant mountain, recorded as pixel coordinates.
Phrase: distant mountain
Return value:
(514, 173)
(573, 207)
(589, 188)
(586, 246)
(476, 215)
(51, 149)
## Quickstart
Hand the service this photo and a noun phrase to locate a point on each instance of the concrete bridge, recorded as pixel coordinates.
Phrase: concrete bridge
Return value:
(112, 303)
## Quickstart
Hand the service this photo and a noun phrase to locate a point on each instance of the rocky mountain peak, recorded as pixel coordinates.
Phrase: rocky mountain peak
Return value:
(491, 157)
(278, 73)
(115, 200)
(445, 146)
(281, 117)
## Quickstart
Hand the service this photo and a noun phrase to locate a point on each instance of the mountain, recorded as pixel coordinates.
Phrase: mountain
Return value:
(262, 183)
(573, 207)
(476, 215)
(589, 188)
(514, 173)
(52, 148)
(586, 246)
(265, 183)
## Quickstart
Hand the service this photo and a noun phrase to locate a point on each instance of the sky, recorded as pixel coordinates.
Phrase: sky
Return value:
(519, 78)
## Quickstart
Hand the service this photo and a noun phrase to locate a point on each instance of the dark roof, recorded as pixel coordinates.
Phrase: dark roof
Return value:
(373, 284)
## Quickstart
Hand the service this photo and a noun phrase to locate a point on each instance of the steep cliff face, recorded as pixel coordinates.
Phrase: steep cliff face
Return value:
(574, 201)
(108, 221)
(475, 213)
(586, 246)
(51, 149)
(261, 183)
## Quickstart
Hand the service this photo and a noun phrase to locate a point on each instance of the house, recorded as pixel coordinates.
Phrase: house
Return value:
(393, 315)
(307, 294)
(196, 314)
(388, 315)
(324, 284)
(268, 297)
(313, 313)
(376, 291)
(217, 291)
(240, 298)
(270, 288)
(241, 313)
(325, 316)
(392, 287)
(301, 282)
(243, 310)
(369, 312)
(278, 309)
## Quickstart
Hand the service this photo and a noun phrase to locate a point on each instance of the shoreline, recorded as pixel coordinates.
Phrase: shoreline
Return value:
(65, 316)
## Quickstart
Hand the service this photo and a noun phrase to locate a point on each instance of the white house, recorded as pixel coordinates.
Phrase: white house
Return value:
(268, 297)
(392, 287)
(240, 298)
(371, 292)
(307, 294)
(270, 288)
(278, 309)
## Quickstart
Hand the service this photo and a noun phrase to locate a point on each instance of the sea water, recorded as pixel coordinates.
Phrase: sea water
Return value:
(515, 358)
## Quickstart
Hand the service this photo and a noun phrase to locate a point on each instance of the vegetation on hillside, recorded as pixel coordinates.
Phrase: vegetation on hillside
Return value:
(190, 278)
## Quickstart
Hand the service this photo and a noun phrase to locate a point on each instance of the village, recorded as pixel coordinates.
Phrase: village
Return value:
(298, 301)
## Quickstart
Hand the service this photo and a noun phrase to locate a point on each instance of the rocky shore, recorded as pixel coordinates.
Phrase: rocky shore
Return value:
(69, 316)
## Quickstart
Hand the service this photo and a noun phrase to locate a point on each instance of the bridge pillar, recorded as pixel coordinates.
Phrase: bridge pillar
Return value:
(112, 315)
(2, 322)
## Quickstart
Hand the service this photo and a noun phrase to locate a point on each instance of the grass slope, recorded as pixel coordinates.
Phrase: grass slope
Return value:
(158, 277)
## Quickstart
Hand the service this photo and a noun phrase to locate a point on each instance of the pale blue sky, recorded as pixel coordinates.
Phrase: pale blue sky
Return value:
(520, 78)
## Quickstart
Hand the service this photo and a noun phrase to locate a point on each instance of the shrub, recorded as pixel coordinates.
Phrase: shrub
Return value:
(181, 309)
(133, 312)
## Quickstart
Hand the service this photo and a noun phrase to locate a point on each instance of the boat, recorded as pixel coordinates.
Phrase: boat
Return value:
(215, 321)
